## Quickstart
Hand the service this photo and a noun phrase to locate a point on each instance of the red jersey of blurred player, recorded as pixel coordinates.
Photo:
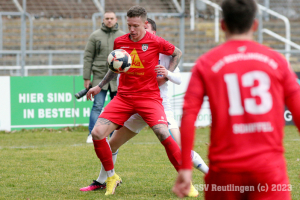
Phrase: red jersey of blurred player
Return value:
(247, 85)
(140, 79)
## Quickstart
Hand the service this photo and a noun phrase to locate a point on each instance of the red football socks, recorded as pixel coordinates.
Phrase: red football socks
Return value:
(103, 152)
(173, 152)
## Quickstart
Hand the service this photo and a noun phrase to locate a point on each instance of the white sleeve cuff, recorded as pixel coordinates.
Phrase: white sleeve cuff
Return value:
(174, 77)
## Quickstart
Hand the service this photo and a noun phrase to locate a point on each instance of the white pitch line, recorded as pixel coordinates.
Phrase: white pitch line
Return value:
(34, 147)
(81, 144)
(72, 145)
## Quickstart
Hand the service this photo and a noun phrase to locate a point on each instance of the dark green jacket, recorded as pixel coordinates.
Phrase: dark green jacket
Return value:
(99, 45)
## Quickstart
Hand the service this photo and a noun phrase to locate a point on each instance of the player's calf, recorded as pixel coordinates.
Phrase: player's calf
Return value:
(172, 148)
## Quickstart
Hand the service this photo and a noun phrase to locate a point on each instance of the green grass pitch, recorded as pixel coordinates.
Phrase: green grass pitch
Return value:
(55, 164)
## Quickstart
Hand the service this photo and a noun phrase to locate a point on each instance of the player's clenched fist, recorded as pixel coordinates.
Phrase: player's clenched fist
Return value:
(161, 70)
(183, 183)
(92, 92)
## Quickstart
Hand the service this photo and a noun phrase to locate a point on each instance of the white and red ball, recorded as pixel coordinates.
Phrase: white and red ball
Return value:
(119, 61)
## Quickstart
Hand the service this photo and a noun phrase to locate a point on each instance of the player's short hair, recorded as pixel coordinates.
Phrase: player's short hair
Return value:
(137, 11)
(110, 12)
(153, 24)
(239, 15)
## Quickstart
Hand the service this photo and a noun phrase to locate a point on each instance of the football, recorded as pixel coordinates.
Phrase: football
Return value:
(119, 61)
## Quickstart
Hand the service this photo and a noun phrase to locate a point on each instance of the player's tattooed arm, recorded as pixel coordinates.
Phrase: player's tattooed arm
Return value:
(176, 56)
(110, 75)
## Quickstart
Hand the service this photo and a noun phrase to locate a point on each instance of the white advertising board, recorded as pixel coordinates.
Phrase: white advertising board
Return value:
(176, 94)
(5, 111)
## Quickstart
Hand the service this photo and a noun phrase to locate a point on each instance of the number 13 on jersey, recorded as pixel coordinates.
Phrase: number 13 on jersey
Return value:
(250, 104)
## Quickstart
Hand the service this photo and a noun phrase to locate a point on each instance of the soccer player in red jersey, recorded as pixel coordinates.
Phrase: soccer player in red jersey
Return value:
(135, 123)
(138, 92)
(248, 85)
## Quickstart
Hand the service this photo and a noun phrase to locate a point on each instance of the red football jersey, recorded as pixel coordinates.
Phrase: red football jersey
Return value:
(247, 84)
(140, 79)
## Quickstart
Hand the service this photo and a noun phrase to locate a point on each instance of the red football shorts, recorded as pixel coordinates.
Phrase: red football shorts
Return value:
(270, 185)
(122, 107)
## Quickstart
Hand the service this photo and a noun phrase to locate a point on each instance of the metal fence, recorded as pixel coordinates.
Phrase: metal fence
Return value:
(52, 42)
(42, 62)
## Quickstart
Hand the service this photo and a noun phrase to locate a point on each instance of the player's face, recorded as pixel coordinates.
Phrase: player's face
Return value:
(149, 29)
(136, 27)
(110, 20)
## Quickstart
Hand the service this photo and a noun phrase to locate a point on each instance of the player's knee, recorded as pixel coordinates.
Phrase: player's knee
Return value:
(161, 131)
(97, 134)
(163, 135)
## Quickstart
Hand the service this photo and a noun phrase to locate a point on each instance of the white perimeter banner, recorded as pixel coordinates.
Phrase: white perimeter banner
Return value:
(5, 111)
(176, 94)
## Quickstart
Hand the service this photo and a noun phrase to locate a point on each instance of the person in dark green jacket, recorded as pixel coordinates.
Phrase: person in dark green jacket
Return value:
(98, 47)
